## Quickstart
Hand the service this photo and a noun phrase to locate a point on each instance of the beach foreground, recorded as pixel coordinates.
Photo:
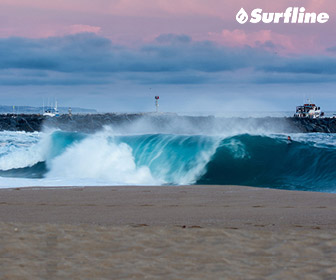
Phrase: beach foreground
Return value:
(184, 232)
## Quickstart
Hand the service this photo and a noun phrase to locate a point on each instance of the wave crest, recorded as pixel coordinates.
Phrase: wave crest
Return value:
(68, 158)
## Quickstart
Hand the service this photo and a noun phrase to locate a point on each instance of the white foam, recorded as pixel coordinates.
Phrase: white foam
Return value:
(97, 158)
(19, 150)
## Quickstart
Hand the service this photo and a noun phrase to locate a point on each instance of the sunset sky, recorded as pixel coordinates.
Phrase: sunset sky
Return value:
(116, 55)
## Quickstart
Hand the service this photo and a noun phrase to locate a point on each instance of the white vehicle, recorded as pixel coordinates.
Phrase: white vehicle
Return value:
(308, 110)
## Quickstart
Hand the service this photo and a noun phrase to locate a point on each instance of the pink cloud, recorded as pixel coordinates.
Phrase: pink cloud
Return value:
(289, 43)
(239, 37)
(218, 8)
(80, 28)
(132, 21)
(89, 6)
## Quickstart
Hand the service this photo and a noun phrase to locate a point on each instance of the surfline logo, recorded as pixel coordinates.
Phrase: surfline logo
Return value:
(291, 15)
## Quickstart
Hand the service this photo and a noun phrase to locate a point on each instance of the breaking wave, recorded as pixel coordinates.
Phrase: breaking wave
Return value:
(69, 158)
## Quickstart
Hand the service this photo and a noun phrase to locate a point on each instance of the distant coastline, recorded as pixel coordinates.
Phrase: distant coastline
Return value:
(5, 109)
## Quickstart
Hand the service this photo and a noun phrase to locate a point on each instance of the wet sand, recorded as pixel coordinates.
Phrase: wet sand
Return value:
(185, 232)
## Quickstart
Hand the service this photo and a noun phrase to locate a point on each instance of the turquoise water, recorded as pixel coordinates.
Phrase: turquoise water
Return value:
(70, 158)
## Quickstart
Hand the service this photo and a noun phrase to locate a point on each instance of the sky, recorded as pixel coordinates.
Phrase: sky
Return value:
(116, 55)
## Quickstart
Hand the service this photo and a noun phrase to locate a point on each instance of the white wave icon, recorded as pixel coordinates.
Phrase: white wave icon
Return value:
(242, 16)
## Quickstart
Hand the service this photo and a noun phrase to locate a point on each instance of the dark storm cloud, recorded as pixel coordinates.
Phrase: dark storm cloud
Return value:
(308, 65)
(289, 78)
(172, 59)
(88, 52)
(43, 82)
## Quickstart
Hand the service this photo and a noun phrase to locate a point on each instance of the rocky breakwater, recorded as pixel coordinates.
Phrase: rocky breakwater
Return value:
(23, 122)
(165, 123)
(324, 125)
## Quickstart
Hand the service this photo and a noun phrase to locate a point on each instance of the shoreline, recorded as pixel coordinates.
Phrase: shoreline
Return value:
(166, 232)
(235, 207)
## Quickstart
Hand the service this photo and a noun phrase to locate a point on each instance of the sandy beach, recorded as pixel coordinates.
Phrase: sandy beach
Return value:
(184, 232)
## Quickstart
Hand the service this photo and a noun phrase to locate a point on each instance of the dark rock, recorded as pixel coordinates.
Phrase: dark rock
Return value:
(165, 123)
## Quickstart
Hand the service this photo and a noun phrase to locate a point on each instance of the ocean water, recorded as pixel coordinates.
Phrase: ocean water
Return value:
(108, 157)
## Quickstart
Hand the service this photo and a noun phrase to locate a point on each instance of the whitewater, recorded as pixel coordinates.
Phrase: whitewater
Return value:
(120, 157)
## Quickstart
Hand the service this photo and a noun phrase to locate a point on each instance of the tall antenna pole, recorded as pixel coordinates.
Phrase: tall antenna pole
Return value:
(157, 103)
